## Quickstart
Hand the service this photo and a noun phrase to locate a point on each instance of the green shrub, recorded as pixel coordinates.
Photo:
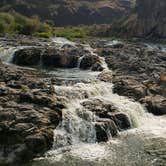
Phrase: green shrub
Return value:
(70, 32)
(17, 23)
(42, 34)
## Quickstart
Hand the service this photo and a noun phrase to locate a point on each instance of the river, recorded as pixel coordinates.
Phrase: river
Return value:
(75, 138)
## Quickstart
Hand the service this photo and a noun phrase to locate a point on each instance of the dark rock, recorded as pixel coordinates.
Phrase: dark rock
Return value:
(99, 106)
(105, 129)
(128, 86)
(40, 142)
(107, 114)
(155, 104)
(88, 61)
(97, 67)
(121, 120)
(48, 56)
(27, 56)
(79, 12)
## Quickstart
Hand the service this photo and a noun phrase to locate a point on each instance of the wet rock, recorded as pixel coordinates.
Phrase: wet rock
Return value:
(105, 110)
(99, 106)
(88, 61)
(27, 56)
(128, 86)
(105, 129)
(121, 120)
(66, 57)
(155, 104)
(97, 67)
(106, 76)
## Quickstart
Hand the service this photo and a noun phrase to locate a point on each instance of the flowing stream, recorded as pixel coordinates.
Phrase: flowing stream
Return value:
(75, 138)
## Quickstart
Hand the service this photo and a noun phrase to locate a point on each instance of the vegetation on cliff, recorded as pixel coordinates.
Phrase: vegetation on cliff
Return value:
(17, 23)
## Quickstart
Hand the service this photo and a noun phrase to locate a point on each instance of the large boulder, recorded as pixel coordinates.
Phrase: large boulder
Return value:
(88, 61)
(27, 56)
(48, 56)
(129, 86)
(109, 118)
(105, 128)
(155, 104)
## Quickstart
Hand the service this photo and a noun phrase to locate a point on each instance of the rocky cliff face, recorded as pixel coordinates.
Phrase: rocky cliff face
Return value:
(147, 20)
(71, 12)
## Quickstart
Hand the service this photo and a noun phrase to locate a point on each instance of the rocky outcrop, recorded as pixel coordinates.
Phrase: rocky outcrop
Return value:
(48, 57)
(66, 57)
(68, 12)
(29, 112)
(109, 119)
(128, 86)
(89, 61)
(156, 104)
(147, 20)
(139, 73)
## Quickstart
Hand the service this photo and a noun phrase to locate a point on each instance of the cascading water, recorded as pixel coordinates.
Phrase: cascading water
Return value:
(6, 53)
(88, 48)
(75, 139)
(60, 41)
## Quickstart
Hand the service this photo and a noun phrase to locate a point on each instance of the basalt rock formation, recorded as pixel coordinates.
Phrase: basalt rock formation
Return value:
(147, 20)
(71, 12)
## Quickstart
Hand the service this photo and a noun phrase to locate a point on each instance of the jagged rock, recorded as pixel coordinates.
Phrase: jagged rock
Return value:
(28, 115)
(51, 57)
(121, 120)
(155, 104)
(66, 57)
(88, 61)
(105, 128)
(40, 142)
(107, 111)
(99, 106)
(128, 86)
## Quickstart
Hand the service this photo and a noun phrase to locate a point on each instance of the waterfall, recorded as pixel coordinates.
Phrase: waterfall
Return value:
(92, 51)
(113, 42)
(78, 123)
(6, 53)
(60, 42)
(77, 126)
(75, 137)
(79, 61)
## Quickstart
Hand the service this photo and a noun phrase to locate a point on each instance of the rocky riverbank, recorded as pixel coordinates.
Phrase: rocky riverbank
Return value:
(29, 112)
(139, 73)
